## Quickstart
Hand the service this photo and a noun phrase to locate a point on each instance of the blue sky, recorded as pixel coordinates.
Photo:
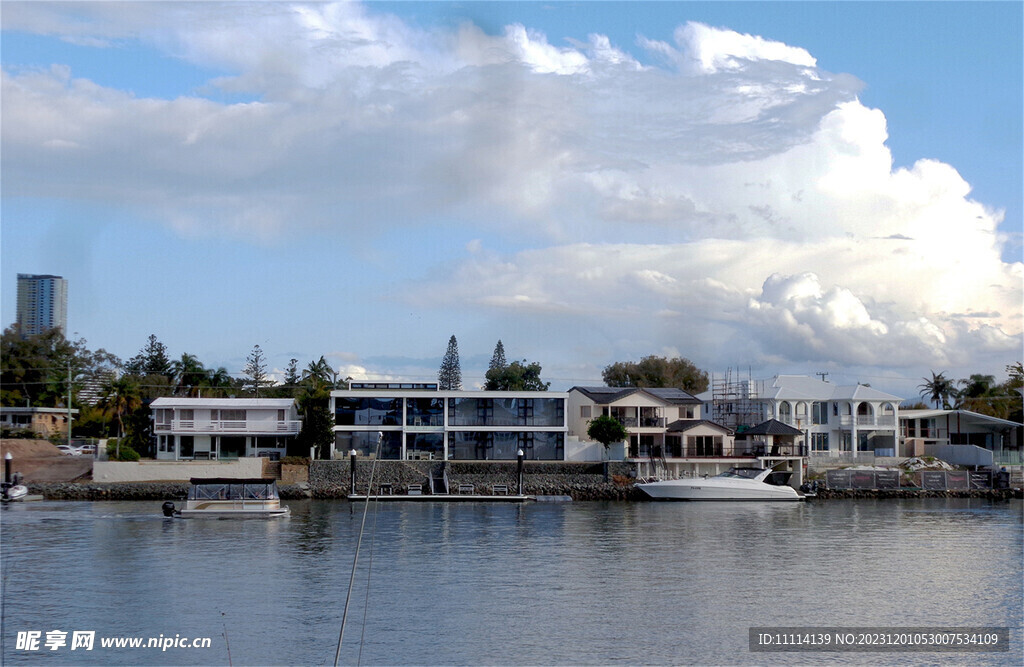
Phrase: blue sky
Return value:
(781, 187)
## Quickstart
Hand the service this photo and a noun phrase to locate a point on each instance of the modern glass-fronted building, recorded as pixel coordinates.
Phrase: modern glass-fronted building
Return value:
(418, 422)
(42, 304)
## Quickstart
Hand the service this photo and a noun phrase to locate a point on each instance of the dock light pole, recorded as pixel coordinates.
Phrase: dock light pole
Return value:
(7, 469)
(352, 471)
(519, 456)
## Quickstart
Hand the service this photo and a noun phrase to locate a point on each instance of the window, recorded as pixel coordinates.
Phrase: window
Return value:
(819, 414)
(819, 442)
(585, 412)
(706, 445)
(232, 415)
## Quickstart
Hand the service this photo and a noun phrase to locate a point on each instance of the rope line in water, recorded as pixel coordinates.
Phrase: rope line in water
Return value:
(355, 558)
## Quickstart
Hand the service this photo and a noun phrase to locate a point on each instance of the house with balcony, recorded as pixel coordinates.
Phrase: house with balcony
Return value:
(417, 421)
(837, 421)
(223, 428)
(667, 435)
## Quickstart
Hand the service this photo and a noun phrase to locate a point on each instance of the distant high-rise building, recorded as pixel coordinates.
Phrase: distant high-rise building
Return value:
(42, 304)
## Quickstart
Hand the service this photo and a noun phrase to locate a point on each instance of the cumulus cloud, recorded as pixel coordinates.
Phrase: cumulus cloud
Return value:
(736, 199)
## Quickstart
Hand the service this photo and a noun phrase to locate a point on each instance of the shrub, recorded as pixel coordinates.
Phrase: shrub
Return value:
(126, 453)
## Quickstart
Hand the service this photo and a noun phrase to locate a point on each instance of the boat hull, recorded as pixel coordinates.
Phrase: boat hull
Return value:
(220, 509)
(713, 489)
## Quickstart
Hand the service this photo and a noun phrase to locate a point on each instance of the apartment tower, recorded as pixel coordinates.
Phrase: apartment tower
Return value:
(42, 304)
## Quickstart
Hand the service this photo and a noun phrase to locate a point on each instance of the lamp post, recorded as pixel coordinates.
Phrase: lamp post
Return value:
(519, 456)
(352, 472)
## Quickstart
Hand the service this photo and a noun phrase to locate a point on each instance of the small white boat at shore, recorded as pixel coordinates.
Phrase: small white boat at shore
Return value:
(733, 484)
(226, 497)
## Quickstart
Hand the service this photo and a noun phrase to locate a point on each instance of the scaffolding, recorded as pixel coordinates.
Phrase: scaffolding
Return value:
(735, 400)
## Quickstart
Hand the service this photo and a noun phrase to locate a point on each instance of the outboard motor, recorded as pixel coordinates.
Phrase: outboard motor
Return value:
(168, 508)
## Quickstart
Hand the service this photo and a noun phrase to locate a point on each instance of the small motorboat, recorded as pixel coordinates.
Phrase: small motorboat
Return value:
(12, 488)
(226, 497)
(733, 484)
(13, 492)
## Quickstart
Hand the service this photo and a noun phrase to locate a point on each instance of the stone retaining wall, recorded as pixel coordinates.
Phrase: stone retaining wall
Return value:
(583, 481)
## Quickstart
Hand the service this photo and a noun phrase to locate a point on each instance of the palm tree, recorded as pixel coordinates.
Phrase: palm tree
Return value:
(120, 396)
(218, 379)
(938, 389)
(188, 373)
(319, 370)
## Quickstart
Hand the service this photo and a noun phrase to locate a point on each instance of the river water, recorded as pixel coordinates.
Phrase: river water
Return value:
(501, 584)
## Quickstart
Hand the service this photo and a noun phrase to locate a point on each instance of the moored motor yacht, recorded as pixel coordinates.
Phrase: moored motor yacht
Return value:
(733, 484)
(223, 497)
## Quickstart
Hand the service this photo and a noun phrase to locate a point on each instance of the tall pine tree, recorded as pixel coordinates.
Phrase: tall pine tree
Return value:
(498, 362)
(450, 374)
(256, 372)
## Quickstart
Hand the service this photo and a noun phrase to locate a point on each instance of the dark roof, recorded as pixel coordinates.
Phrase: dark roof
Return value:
(612, 394)
(773, 427)
(682, 425)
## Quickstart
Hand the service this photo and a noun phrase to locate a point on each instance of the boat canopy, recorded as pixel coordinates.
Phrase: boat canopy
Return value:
(226, 488)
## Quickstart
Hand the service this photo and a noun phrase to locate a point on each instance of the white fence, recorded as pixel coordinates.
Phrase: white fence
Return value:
(174, 471)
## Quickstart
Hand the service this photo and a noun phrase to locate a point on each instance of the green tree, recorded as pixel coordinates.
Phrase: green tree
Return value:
(938, 389)
(218, 383)
(319, 370)
(517, 376)
(606, 430)
(256, 377)
(498, 362)
(449, 376)
(151, 360)
(317, 422)
(655, 371)
(291, 373)
(188, 374)
(120, 398)
(35, 368)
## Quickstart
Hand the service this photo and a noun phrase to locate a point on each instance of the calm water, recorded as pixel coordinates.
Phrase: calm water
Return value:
(537, 584)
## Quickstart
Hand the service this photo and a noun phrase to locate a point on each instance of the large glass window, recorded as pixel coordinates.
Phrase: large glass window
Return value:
(424, 446)
(424, 412)
(470, 411)
(705, 445)
(356, 411)
(506, 412)
(365, 443)
(505, 445)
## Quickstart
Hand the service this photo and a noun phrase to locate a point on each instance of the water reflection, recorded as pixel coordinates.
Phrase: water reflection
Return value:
(631, 583)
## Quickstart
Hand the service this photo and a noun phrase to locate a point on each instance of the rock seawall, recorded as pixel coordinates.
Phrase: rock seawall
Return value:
(581, 481)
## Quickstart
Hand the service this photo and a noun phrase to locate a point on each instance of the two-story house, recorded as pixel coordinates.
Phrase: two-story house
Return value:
(223, 428)
(838, 421)
(666, 434)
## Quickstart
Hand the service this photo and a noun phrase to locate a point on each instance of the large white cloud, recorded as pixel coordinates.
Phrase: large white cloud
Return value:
(740, 193)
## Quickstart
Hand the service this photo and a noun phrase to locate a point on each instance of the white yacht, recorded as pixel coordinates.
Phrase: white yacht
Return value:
(733, 484)
(224, 497)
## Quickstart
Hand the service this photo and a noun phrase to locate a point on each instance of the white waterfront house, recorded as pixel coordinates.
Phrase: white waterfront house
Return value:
(417, 421)
(838, 421)
(223, 428)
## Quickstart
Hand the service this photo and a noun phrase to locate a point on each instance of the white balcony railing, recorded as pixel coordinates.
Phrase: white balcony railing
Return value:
(227, 426)
(867, 421)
